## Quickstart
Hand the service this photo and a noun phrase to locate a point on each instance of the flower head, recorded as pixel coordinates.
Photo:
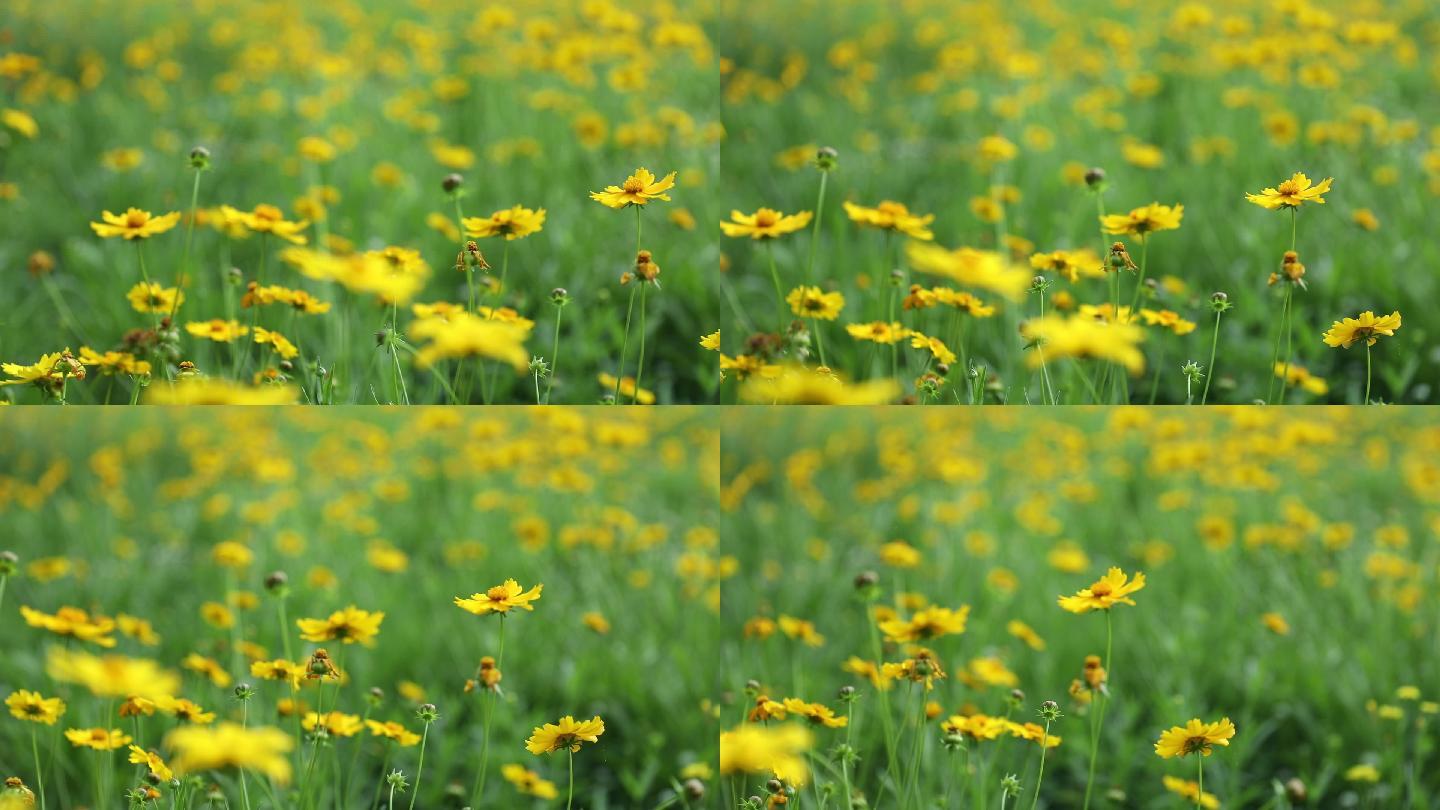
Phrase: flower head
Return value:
(892, 216)
(347, 626)
(501, 599)
(134, 224)
(1108, 591)
(567, 733)
(766, 223)
(1292, 193)
(812, 302)
(512, 223)
(1345, 333)
(639, 188)
(27, 705)
(1195, 737)
(147, 296)
(528, 782)
(230, 745)
(1145, 219)
(101, 739)
(1083, 337)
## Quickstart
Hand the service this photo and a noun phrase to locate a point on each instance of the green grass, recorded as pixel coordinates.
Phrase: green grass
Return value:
(892, 109)
(987, 500)
(134, 504)
(250, 82)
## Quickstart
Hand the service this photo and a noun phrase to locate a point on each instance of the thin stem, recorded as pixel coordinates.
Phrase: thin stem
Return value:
(1210, 369)
(489, 713)
(184, 268)
(624, 348)
(1040, 778)
(1289, 342)
(570, 798)
(775, 277)
(845, 760)
(1044, 368)
(815, 230)
(1199, 781)
(244, 721)
(554, 355)
(820, 342)
(640, 363)
(39, 774)
(1140, 282)
(420, 768)
(1367, 372)
(1275, 354)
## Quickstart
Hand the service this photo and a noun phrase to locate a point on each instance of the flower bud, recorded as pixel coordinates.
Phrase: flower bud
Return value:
(452, 183)
(866, 579)
(277, 581)
(200, 158)
(9, 563)
(774, 786)
(694, 789)
(559, 297)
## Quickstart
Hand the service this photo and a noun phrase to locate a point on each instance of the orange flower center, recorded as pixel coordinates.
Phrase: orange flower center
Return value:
(1101, 589)
(765, 219)
(496, 594)
(136, 219)
(633, 185)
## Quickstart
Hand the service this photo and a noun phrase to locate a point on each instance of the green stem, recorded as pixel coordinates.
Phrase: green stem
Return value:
(815, 231)
(489, 713)
(570, 798)
(1140, 282)
(420, 768)
(554, 355)
(1040, 778)
(1289, 341)
(39, 774)
(640, 363)
(1210, 369)
(1044, 368)
(1367, 372)
(1199, 781)
(244, 721)
(775, 277)
(184, 268)
(820, 342)
(624, 348)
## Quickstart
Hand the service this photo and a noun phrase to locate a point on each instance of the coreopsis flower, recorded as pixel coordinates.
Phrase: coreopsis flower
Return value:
(218, 330)
(1081, 337)
(277, 341)
(766, 710)
(392, 730)
(817, 713)
(934, 345)
(746, 366)
(766, 223)
(892, 216)
(27, 705)
(487, 677)
(799, 385)
(512, 223)
(114, 362)
(1190, 791)
(112, 676)
(278, 670)
(208, 667)
(337, 724)
(1364, 772)
(1301, 377)
(134, 224)
(566, 733)
(978, 727)
(230, 745)
(348, 626)
(1110, 590)
(1071, 265)
(1025, 633)
(199, 391)
(528, 782)
(596, 622)
(464, 335)
(265, 219)
(711, 342)
(185, 710)
(776, 750)
(627, 388)
(1195, 737)
(921, 667)
(501, 599)
(298, 300)
(136, 706)
(1093, 674)
(1144, 220)
(878, 331)
(800, 629)
(928, 623)
(1033, 732)
(1367, 327)
(72, 622)
(640, 188)
(962, 301)
(1292, 193)
(101, 739)
(152, 761)
(147, 296)
(812, 302)
(49, 372)
(984, 269)
(1166, 319)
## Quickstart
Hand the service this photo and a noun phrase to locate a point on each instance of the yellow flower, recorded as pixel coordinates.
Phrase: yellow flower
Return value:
(1299, 375)
(1363, 772)
(349, 626)
(1275, 623)
(797, 385)
(220, 331)
(219, 392)
(1025, 633)
(711, 341)
(50, 371)
(934, 345)
(1166, 319)
(1191, 791)
(282, 345)
(639, 188)
(567, 733)
(627, 388)
(801, 630)
(392, 730)
(134, 224)
(208, 667)
(27, 705)
(1366, 219)
(14, 795)
(1292, 193)
(996, 149)
(973, 268)
(812, 302)
(1083, 337)
(20, 121)
(501, 599)
(98, 738)
(316, 149)
(114, 362)
(766, 223)
(892, 216)
(1369, 328)
(112, 676)
(72, 622)
(1144, 220)
(931, 622)
(337, 723)
(817, 713)
(151, 760)
(776, 750)
(596, 622)
(186, 710)
(466, 335)
(1110, 590)
(528, 782)
(878, 331)
(229, 745)
(267, 219)
(1194, 737)
(512, 223)
(1069, 264)
(278, 670)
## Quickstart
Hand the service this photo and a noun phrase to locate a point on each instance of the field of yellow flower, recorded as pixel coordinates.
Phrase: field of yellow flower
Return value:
(1081, 609)
(956, 202)
(357, 203)
(358, 610)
